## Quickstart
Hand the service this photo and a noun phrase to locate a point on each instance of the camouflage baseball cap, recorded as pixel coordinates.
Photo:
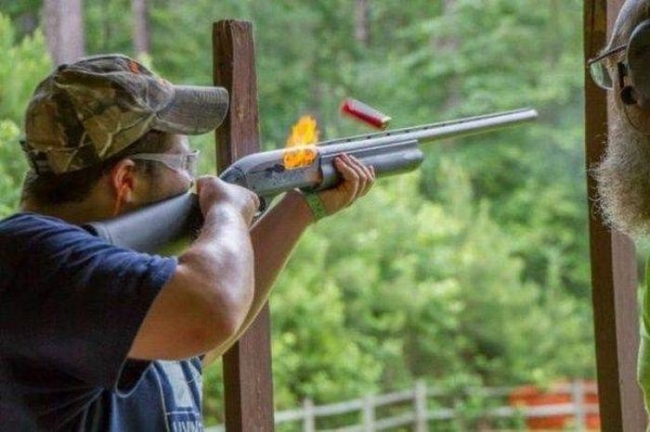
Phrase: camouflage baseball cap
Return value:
(87, 111)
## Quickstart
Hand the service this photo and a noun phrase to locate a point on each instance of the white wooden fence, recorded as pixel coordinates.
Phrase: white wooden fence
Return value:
(419, 416)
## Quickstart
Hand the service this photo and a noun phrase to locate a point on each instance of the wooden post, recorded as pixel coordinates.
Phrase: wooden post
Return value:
(613, 262)
(420, 396)
(248, 384)
(579, 406)
(309, 421)
(369, 413)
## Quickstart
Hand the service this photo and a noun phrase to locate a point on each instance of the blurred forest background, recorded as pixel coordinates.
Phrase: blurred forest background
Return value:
(474, 270)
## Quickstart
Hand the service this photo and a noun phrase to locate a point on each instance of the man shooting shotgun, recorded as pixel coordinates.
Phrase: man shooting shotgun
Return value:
(97, 337)
(101, 338)
(310, 168)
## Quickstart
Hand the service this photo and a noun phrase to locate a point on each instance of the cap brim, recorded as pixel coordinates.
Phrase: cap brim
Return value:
(194, 110)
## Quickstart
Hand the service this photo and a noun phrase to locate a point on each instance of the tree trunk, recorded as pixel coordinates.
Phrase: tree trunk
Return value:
(449, 44)
(362, 14)
(141, 33)
(64, 30)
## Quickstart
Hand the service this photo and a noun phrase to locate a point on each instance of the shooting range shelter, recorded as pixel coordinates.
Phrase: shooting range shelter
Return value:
(248, 380)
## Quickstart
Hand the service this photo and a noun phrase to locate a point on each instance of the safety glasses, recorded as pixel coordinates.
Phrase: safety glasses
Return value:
(598, 68)
(186, 162)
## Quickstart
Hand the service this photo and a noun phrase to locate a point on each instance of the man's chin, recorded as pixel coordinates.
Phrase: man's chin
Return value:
(623, 179)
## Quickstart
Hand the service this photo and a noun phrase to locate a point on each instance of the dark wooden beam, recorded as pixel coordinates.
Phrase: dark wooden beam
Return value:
(613, 262)
(248, 384)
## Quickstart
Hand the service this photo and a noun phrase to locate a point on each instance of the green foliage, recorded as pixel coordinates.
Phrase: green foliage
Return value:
(533, 176)
(426, 291)
(310, 332)
(107, 26)
(22, 67)
(21, 12)
(9, 188)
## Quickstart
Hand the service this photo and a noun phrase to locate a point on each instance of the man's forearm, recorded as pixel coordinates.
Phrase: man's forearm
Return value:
(222, 258)
(223, 252)
(207, 298)
(274, 238)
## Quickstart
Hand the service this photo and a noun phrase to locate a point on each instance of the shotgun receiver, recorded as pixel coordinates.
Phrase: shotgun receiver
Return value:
(311, 168)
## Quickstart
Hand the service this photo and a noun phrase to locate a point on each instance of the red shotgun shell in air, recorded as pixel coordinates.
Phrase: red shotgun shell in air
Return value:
(364, 113)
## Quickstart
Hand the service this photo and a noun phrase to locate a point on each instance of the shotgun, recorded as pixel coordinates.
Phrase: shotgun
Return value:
(310, 168)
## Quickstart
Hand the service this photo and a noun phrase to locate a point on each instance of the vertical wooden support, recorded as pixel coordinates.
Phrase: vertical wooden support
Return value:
(248, 381)
(613, 263)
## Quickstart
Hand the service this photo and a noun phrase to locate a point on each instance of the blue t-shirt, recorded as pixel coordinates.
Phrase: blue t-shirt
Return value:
(70, 307)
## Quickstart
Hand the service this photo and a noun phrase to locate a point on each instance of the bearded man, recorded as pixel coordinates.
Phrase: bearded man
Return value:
(623, 176)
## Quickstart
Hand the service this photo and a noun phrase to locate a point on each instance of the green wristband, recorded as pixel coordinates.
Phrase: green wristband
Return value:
(315, 205)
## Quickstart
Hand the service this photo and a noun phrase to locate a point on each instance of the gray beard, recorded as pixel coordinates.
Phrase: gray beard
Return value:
(623, 178)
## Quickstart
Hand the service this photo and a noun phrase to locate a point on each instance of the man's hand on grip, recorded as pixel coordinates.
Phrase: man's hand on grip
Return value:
(213, 191)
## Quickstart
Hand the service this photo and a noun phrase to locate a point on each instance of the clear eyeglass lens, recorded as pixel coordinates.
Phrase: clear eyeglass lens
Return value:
(178, 162)
(191, 163)
(600, 75)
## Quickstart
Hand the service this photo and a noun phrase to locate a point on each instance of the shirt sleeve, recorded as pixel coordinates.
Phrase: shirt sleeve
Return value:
(81, 300)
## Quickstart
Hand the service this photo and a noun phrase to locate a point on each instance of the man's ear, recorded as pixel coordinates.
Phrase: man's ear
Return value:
(122, 180)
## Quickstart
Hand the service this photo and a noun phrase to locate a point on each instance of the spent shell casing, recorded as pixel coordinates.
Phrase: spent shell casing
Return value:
(365, 113)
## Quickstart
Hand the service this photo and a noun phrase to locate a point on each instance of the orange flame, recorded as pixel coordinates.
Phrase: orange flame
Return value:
(304, 132)
(300, 151)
